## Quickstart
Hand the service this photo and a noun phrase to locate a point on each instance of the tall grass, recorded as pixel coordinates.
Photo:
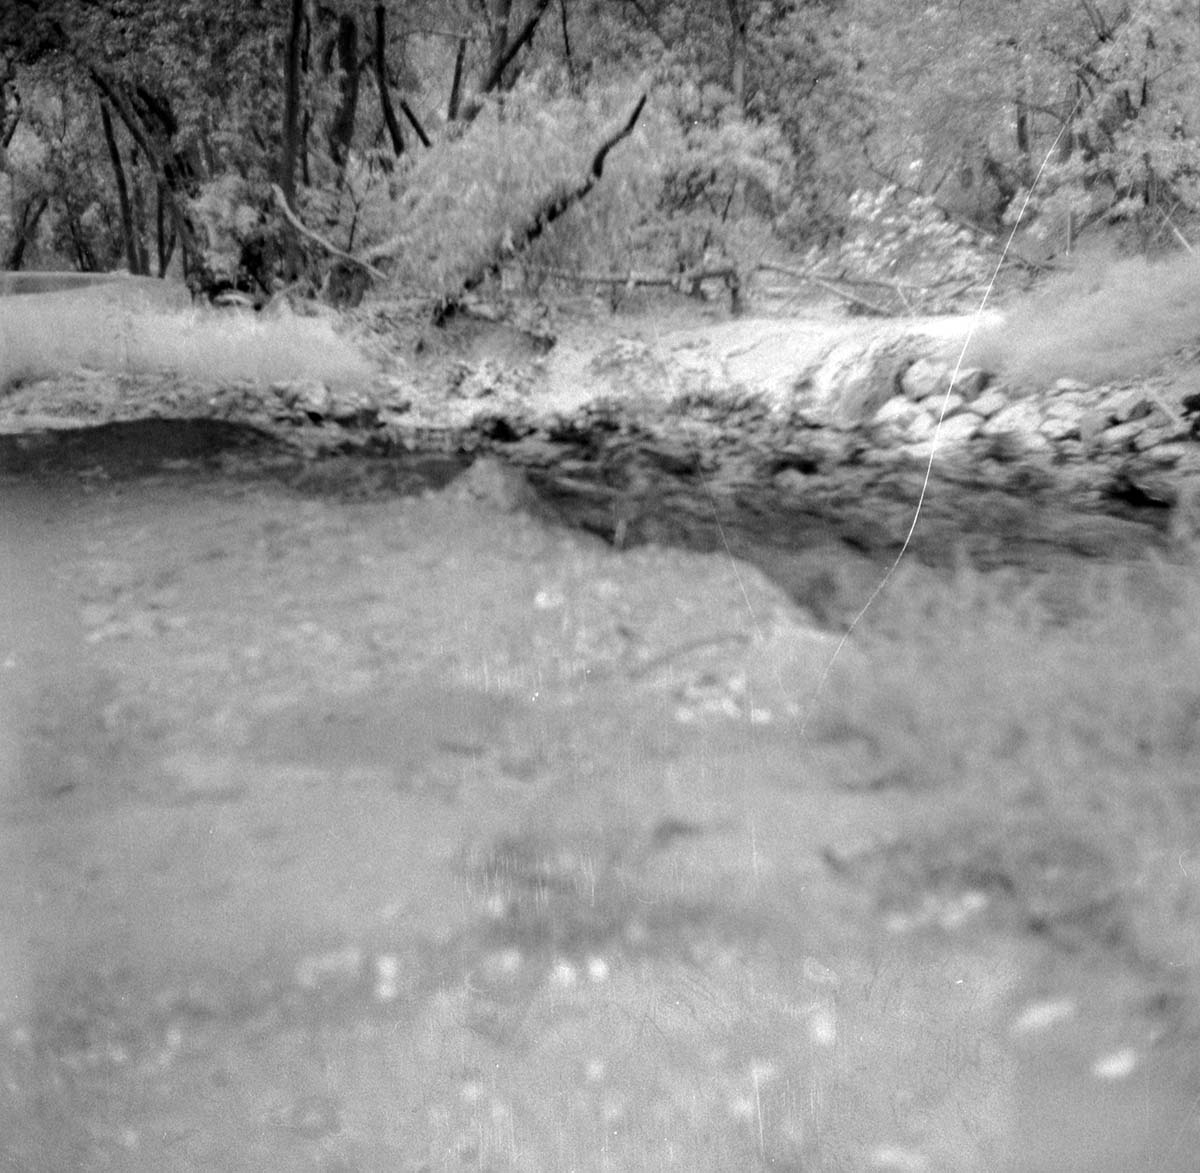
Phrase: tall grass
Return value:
(1106, 319)
(1045, 724)
(44, 335)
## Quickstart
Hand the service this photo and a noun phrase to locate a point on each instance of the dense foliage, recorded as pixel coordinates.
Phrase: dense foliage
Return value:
(425, 138)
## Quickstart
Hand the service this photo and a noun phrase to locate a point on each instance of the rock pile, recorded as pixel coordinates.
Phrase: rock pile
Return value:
(1078, 466)
(845, 449)
(1072, 422)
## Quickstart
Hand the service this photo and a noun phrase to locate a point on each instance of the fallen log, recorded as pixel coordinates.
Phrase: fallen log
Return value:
(686, 281)
(823, 283)
(835, 285)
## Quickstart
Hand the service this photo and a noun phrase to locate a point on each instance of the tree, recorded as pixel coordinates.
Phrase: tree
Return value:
(1102, 99)
(763, 117)
(289, 139)
(135, 252)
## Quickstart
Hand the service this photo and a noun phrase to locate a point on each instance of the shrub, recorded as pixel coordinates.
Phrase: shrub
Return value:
(891, 237)
(1103, 319)
(680, 192)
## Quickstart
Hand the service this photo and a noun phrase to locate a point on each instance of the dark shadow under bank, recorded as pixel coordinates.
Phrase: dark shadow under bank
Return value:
(129, 448)
(802, 535)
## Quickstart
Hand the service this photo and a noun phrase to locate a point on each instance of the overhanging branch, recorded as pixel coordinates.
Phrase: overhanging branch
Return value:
(317, 238)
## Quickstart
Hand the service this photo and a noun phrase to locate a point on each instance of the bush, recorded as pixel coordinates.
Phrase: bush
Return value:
(449, 210)
(1104, 319)
(680, 192)
(894, 238)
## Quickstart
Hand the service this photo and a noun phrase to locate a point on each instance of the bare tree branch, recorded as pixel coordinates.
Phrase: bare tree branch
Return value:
(379, 63)
(828, 286)
(330, 248)
(416, 125)
(164, 170)
(460, 57)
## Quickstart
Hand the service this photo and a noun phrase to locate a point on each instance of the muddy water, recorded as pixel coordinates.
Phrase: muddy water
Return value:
(418, 833)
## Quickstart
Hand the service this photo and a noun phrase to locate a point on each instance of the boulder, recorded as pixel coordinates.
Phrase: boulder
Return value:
(353, 409)
(304, 397)
(900, 419)
(1016, 428)
(502, 486)
(925, 378)
(1059, 427)
(971, 382)
(1023, 418)
(989, 403)
(1170, 454)
(1120, 437)
(929, 377)
(1070, 407)
(921, 427)
(958, 429)
(1091, 426)
(853, 381)
(1130, 405)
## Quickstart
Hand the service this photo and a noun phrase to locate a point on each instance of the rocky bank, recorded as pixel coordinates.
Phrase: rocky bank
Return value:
(688, 428)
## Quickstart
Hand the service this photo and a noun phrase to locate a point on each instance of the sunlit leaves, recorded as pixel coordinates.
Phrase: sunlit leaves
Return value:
(892, 237)
(455, 205)
(1101, 103)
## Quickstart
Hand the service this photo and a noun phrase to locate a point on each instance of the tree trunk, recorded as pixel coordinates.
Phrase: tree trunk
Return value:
(567, 55)
(1022, 125)
(168, 172)
(290, 137)
(1069, 139)
(381, 82)
(164, 233)
(306, 68)
(498, 17)
(341, 132)
(456, 81)
(184, 167)
(11, 111)
(26, 229)
(416, 124)
(139, 213)
(737, 53)
(85, 259)
(128, 232)
(1022, 128)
